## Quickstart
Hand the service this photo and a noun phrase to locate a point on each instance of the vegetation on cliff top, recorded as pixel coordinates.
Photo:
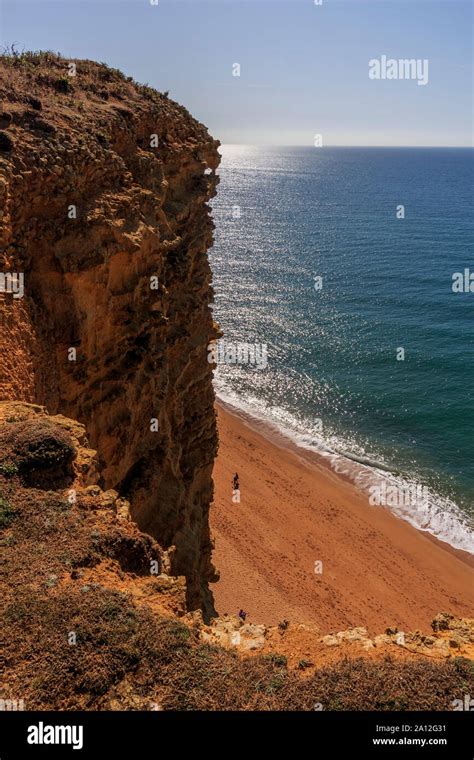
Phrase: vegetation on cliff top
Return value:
(126, 658)
(76, 644)
(12, 57)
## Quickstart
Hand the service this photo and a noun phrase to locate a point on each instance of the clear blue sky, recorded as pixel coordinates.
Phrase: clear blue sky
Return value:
(304, 68)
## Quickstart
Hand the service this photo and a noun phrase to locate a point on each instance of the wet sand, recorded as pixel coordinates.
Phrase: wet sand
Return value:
(377, 570)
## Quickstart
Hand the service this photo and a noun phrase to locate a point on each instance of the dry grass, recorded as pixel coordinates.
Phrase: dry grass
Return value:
(94, 76)
(125, 656)
(162, 660)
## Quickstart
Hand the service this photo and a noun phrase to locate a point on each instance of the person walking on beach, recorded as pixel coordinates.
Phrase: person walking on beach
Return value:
(235, 489)
(242, 615)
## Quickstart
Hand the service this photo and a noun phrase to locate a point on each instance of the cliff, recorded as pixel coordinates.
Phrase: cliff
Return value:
(103, 190)
(93, 620)
(108, 432)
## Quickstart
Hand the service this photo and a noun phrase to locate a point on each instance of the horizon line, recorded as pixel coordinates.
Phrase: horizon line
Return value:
(306, 145)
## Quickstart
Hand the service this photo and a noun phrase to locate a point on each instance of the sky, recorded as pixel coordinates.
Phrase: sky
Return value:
(304, 68)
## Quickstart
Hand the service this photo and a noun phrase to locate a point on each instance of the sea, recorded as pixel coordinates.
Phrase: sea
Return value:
(342, 286)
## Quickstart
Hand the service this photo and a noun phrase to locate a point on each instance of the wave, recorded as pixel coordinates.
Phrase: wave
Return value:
(432, 513)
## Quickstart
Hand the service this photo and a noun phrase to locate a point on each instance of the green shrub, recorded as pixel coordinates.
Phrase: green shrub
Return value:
(7, 513)
(279, 660)
(8, 469)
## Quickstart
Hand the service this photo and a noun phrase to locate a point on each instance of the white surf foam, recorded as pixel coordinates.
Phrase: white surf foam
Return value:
(434, 513)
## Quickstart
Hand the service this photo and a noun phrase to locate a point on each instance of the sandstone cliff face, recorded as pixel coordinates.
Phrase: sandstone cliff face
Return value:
(103, 202)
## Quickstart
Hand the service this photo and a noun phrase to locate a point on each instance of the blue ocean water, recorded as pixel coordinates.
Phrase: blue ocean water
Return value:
(287, 215)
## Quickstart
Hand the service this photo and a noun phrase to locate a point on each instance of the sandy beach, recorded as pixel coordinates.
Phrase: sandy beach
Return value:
(377, 570)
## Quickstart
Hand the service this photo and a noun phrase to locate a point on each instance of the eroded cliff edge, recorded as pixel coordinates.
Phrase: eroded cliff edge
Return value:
(104, 187)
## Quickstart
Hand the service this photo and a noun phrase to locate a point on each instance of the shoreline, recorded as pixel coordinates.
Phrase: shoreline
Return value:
(414, 503)
(277, 438)
(381, 570)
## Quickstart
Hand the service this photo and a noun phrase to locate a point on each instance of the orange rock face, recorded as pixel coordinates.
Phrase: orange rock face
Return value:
(104, 187)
